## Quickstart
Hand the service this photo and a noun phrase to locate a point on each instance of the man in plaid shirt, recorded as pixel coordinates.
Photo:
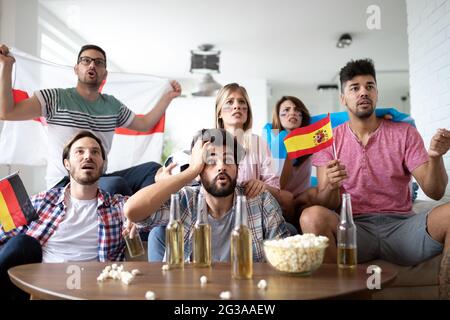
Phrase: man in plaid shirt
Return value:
(215, 154)
(79, 222)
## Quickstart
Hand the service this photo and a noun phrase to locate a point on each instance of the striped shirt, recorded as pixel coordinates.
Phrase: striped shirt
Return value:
(265, 219)
(67, 112)
(51, 208)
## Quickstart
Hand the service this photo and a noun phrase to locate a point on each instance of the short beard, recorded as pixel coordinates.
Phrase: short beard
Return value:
(88, 180)
(212, 189)
(88, 83)
(364, 114)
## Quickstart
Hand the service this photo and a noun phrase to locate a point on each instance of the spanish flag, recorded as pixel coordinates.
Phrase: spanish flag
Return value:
(15, 206)
(309, 139)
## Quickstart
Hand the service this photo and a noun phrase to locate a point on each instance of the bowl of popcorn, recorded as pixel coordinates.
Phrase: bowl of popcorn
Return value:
(299, 254)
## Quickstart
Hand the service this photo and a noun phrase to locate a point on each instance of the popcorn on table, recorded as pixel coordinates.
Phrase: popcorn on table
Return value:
(150, 295)
(135, 272)
(262, 284)
(225, 295)
(296, 253)
(117, 273)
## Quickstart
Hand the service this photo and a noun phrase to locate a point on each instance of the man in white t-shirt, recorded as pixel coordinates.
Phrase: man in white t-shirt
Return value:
(79, 222)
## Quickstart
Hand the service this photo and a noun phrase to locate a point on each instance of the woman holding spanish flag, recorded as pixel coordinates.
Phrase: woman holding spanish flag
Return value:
(289, 114)
(293, 136)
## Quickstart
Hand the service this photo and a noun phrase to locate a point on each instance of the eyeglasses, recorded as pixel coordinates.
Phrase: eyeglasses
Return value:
(99, 62)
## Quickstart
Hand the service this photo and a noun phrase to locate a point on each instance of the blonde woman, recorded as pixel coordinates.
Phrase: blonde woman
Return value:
(256, 172)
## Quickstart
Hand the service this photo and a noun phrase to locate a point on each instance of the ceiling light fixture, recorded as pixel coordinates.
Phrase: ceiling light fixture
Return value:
(205, 59)
(326, 87)
(344, 41)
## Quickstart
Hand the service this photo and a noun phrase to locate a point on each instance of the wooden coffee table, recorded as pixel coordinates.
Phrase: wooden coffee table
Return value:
(79, 281)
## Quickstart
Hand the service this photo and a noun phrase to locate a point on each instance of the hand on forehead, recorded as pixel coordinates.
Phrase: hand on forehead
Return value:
(222, 153)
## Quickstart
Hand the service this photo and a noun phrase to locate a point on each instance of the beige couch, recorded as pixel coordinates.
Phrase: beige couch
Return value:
(415, 282)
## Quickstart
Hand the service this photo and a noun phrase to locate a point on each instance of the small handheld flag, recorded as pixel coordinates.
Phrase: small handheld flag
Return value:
(15, 206)
(309, 139)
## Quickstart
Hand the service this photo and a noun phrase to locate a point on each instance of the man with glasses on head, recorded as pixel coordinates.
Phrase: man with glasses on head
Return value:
(83, 108)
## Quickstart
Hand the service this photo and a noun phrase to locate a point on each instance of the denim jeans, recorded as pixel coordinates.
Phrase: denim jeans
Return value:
(156, 244)
(125, 182)
(21, 249)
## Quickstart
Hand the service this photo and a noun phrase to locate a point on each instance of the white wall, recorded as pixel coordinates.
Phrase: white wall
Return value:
(20, 31)
(429, 59)
(316, 102)
(18, 24)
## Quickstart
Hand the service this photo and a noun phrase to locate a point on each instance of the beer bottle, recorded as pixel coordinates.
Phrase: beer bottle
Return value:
(346, 235)
(241, 243)
(175, 235)
(202, 235)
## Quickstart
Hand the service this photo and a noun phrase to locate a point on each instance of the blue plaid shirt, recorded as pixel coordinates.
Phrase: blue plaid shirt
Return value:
(265, 219)
(51, 209)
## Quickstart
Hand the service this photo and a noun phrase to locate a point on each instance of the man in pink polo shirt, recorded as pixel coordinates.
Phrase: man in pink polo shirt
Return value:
(376, 159)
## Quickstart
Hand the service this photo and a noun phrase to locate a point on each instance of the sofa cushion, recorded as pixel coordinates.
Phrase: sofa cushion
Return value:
(420, 206)
(407, 293)
(423, 274)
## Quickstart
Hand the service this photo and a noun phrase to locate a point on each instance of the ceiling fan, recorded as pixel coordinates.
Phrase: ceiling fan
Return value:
(207, 87)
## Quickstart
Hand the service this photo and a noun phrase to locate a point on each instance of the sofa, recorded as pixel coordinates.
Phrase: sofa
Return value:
(414, 282)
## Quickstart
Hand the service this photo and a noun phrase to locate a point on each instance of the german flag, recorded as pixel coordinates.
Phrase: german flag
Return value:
(309, 139)
(15, 206)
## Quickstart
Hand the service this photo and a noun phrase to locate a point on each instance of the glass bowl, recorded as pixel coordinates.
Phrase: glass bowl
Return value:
(299, 254)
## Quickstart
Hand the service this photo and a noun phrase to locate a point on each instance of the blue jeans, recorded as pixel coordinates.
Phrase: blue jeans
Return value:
(156, 244)
(21, 249)
(125, 182)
